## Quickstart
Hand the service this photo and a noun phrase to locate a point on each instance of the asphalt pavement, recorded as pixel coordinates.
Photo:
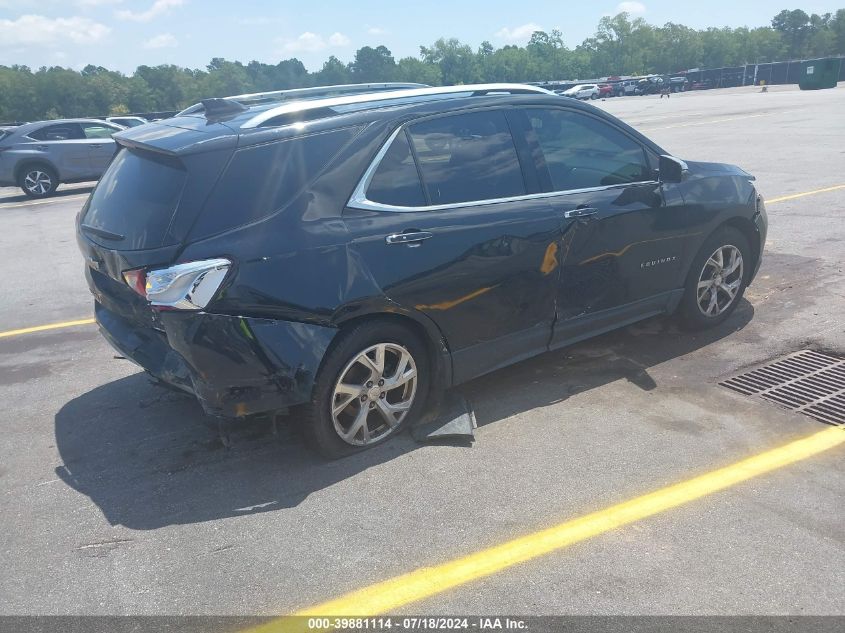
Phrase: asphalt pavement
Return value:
(118, 498)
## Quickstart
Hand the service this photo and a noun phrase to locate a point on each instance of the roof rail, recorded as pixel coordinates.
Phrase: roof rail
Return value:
(315, 92)
(330, 102)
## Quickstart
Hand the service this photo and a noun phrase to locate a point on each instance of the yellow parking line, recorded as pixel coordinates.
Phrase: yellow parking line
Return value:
(805, 193)
(384, 597)
(49, 326)
(55, 326)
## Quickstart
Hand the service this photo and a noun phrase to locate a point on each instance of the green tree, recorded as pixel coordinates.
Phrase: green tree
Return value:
(411, 69)
(372, 65)
(332, 73)
(795, 26)
(621, 45)
(456, 60)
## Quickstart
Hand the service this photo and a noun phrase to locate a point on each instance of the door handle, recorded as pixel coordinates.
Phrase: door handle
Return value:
(97, 146)
(411, 238)
(580, 213)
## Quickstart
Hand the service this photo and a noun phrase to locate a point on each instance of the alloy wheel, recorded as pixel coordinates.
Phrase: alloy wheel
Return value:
(38, 182)
(374, 393)
(720, 280)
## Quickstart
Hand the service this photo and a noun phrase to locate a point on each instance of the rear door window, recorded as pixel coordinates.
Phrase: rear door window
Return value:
(135, 201)
(58, 132)
(467, 157)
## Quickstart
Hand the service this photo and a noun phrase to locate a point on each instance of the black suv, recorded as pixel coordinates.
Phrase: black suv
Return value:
(351, 255)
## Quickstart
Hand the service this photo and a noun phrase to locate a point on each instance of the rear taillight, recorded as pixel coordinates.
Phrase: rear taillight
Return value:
(137, 280)
(189, 286)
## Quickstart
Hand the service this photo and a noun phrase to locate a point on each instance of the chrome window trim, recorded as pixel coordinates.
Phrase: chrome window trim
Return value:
(359, 200)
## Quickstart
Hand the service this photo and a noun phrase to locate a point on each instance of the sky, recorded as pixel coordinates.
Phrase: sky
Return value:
(123, 34)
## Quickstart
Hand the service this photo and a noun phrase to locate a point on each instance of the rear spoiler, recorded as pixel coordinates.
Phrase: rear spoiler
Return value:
(173, 137)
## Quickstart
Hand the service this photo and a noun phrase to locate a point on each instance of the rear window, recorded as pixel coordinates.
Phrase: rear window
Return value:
(136, 199)
(263, 179)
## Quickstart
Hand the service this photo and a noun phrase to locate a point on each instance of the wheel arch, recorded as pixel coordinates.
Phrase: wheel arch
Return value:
(749, 231)
(439, 354)
(30, 162)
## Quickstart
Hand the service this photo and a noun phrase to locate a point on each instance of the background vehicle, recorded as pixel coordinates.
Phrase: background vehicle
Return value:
(678, 84)
(380, 253)
(706, 84)
(650, 85)
(626, 88)
(127, 121)
(606, 90)
(39, 156)
(583, 91)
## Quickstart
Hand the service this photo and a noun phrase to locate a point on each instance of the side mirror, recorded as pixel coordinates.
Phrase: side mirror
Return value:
(671, 169)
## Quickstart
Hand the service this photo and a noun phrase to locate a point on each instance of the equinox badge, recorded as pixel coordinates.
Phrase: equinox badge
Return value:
(657, 262)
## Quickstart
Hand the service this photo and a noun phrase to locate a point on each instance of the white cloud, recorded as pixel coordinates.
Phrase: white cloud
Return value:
(518, 33)
(48, 6)
(38, 30)
(375, 30)
(95, 3)
(629, 7)
(159, 7)
(338, 39)
(164, 40)
(309, 42)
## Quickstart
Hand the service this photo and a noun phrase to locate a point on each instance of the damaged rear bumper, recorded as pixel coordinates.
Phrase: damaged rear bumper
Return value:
(236, 366)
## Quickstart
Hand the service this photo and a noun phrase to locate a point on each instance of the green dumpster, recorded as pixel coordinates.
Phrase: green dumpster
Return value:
(819, 73)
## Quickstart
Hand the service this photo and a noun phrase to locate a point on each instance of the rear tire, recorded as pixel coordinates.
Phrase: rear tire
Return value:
(349, 388)
(38, 181)
(716, 280)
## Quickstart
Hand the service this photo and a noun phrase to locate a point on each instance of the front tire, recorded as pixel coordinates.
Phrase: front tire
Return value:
(38, 181)
(717, 279)
(372, 384)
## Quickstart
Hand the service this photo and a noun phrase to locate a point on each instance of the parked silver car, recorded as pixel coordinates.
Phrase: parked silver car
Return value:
(37, 157)
(127, 121)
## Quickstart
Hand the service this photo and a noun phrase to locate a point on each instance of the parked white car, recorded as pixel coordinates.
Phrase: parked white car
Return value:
(583, 91)
(127, 121)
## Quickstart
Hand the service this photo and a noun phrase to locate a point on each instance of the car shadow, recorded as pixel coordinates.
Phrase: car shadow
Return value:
(625, 354)
(60, 193)
(149, 457)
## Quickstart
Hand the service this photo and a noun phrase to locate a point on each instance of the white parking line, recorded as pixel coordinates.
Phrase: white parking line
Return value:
(20, 205)
(712, 121)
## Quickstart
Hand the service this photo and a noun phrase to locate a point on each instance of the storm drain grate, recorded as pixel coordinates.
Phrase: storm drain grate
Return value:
(812, 383)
